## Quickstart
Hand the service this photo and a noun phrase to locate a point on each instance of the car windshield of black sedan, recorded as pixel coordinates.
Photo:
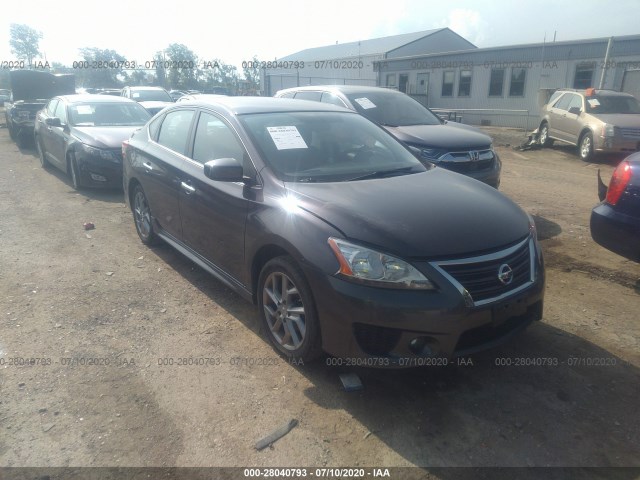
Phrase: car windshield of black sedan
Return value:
(392, 109)
(108, 115)
(327, 147)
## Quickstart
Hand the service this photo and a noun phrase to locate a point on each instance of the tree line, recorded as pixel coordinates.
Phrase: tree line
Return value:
(175, 67)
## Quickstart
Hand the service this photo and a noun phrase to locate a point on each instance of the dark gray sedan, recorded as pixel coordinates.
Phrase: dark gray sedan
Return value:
(345, 240)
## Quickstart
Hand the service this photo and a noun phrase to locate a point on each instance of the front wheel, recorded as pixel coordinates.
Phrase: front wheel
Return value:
(72, 168)
(586, 147)
(288, 310)
(142, 217)
(544, 139)
(41, 153)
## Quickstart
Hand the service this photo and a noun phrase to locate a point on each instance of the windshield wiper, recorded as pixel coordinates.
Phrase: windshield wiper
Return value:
(382, 173)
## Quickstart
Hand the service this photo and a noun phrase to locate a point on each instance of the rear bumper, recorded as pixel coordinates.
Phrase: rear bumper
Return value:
(616, 231)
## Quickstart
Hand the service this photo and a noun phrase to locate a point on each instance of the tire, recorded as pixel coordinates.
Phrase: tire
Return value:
(73, 173)
(290, 321)
(543, 136)
(41, 154)
(12, 132)
(585, 147)
(142, 217)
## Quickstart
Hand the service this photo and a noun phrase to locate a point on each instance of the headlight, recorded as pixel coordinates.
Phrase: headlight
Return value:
(367, 266)
(608, 130)
(431, 153)
(101, 153)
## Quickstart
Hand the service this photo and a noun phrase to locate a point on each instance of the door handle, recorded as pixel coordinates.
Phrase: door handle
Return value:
(147, 166)
(188, 189)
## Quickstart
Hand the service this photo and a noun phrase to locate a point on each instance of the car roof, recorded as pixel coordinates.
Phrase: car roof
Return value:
(244, 105)
(92, 98)
(147, 88)
(598, 92)
(340, 88)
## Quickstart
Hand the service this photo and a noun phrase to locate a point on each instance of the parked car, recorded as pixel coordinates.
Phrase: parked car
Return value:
(31, 90)
(176, 94)
(195, 96)
(5, 96)
(615, 222)
(456, 147)
(153, 99)
(596, 121)
(82, 136)
(116, 92)
(345, 240)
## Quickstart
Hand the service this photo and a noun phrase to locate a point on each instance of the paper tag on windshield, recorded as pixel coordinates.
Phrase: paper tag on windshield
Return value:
(286, 138)
(84, 109)
(593, 102)
(135, 95)
(365, 103)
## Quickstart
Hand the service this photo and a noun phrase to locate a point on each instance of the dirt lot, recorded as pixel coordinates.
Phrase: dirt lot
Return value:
(68, 295)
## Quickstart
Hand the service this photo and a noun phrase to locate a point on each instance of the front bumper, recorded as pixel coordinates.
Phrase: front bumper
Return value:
(617, 144)
(490, 176)
(95, 172)
(616, 231)
(400, 328)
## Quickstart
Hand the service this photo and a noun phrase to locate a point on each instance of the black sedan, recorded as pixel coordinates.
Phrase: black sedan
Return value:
(82, 135)
(344, 239)
(615, 222)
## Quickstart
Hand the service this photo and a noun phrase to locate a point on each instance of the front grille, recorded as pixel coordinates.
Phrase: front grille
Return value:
(633, 133)
(465, 161)
(479, 276)
(465, 167)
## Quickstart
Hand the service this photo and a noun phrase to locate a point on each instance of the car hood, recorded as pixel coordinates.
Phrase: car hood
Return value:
(104, 137)
(624, 120)
(32, 85)
(434, 214)
(449, 135)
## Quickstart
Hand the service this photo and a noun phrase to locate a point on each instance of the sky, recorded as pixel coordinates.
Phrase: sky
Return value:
(236, 31)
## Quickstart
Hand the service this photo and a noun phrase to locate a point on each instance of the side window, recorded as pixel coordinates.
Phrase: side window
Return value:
(576, 101)
(154, 127)
(215, 139)
(332, 99)
(287, 95)
(51, 107)
(315, 96)
(174, 130)
(563, 103)
(61, 112)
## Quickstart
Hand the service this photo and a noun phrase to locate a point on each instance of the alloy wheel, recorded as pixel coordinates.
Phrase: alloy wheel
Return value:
(284, 310)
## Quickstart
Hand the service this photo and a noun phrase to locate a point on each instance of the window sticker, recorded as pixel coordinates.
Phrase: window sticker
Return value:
(286, 137)
(135, 94)
(84, 110)
(365, 103)
(593, 102)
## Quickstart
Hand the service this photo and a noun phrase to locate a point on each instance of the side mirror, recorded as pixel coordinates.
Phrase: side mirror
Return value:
(53, 122)
(224, 170)
(575, 110)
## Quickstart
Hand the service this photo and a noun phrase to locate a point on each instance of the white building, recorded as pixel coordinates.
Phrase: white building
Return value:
(353, 63)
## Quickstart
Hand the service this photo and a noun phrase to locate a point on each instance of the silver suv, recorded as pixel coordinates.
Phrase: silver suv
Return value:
(596, 121)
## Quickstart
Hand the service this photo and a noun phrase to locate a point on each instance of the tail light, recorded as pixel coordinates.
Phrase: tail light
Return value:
(619, 181)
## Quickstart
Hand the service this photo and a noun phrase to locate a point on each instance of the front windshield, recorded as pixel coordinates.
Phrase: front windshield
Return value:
(327, 147)
(392, 108)
(108, 115)
(602, 104)
(151, 96)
